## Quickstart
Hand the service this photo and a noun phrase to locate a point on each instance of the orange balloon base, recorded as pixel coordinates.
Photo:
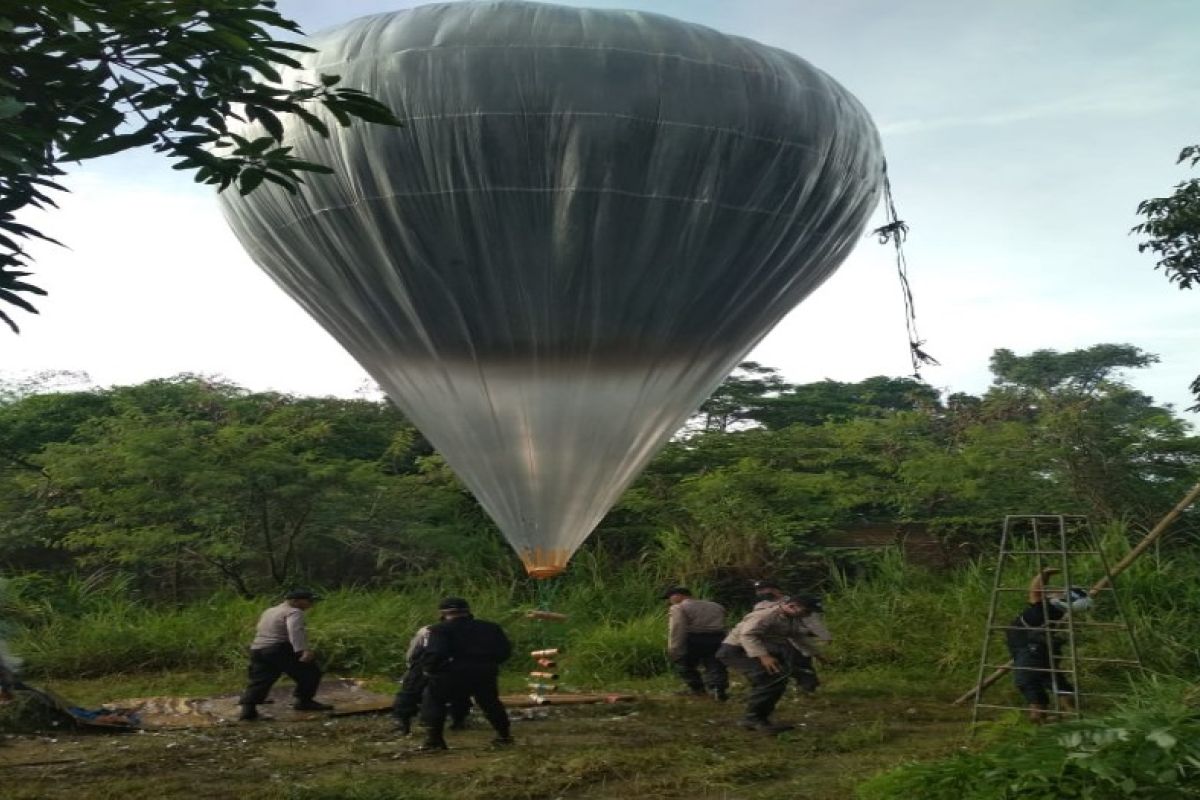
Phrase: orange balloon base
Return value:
(541, 564)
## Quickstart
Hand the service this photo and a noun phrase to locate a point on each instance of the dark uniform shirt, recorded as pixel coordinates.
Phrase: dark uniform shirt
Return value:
(465, 640)
(1029, 626)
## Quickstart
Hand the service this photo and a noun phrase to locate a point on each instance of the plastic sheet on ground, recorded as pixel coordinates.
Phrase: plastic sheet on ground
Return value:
(348, 696)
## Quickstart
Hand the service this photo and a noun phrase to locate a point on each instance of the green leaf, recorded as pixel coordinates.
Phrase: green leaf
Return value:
(1162, 738)
(267, 119)
(249, 180)
(10, 107)
(7, 320)
(17, 300)
(107, 146)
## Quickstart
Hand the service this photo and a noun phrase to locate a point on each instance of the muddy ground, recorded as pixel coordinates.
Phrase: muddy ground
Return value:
(656, 747)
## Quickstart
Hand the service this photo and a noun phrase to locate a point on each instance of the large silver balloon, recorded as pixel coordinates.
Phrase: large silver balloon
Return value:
(587, 220)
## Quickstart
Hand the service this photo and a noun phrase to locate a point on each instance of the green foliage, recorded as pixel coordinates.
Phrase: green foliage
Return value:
(1084, 370)
(1172, 228)
(81, 79)
(1128, 754)
(190, 484)
(734, 400)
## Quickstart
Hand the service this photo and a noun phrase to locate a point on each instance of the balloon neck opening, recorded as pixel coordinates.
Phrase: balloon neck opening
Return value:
(541, 564)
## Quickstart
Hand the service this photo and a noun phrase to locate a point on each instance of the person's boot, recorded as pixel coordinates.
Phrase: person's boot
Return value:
(459, 724)
(311, 705)
(249, 713)
(503, 740)
(764, 726)
(404, 726)
(432, 745)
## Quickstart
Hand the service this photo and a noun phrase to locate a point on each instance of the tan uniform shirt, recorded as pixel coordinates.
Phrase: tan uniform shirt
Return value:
(281, 624)
(417, 645)
(769, 631)
(692, 616)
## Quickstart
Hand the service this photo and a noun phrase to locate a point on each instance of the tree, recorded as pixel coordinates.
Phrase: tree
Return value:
(1045, 371)
(1173, 229)
(81, 79)
(1107, 443)
(736, 399)
(833, 401)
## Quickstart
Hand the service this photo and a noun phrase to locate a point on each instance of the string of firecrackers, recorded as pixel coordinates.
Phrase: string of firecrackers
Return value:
(541, 680)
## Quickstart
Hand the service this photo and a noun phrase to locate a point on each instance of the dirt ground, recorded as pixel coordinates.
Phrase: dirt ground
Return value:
(656, 747)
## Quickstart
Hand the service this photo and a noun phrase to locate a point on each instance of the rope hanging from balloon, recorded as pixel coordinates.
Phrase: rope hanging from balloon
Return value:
(546, 656)
(896, 231)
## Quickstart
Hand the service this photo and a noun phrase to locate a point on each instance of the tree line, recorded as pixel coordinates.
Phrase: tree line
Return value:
(186, 485)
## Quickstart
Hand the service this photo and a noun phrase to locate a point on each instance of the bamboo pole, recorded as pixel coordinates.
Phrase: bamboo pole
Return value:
(1150, 538)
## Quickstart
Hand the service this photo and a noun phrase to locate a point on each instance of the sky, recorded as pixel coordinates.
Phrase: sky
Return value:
(1020, 136)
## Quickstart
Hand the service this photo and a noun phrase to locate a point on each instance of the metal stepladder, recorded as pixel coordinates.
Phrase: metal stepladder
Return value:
(1029, 544)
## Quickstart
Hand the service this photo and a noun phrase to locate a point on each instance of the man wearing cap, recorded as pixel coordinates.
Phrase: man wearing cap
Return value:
(765, 647)
(412, 689)
(280, 647)
(462, 660)
(767, 593)
(695, 629)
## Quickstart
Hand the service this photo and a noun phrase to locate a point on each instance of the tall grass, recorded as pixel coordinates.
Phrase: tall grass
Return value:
(898, 619)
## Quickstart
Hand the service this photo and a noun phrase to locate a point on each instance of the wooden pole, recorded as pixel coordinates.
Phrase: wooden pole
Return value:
(1150, 538)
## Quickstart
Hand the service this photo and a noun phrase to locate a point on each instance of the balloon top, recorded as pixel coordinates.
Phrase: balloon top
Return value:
(588, 219)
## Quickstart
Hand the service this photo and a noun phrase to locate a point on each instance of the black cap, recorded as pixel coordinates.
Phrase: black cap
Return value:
(766, 584)
(454, 604)
(300, 593)
(676, 590)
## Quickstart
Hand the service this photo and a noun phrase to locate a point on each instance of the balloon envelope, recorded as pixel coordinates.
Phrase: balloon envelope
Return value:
(587, 220)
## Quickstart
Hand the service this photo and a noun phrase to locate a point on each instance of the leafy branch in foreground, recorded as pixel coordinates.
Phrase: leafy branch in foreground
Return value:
(81, 79)
(1173, 227)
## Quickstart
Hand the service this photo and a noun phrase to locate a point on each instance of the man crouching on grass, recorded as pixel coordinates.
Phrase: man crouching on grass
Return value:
(763, 647)
(280, 647)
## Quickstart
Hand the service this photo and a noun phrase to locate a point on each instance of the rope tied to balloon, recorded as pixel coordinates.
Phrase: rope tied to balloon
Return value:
(545, 657)
(895, 232)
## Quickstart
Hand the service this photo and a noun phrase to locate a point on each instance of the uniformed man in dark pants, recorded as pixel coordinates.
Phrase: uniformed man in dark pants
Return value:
(764, 647)
(412, 689)
(462, 660)
(695, 629)
(280, 647)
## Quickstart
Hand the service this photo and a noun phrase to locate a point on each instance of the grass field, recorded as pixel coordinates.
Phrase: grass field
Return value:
(657, 747)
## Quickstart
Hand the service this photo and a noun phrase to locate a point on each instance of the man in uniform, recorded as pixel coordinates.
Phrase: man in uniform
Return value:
(766, 647)
(412, 688)
(462, 660)
(280, 647)
(695, 629)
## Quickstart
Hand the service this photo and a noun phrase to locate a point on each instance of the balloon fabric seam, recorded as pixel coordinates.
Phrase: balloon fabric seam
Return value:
(544, 190)
(629, 50)
(791, 143)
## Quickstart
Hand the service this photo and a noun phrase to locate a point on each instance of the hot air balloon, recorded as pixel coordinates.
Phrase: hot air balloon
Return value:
(587, 220)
